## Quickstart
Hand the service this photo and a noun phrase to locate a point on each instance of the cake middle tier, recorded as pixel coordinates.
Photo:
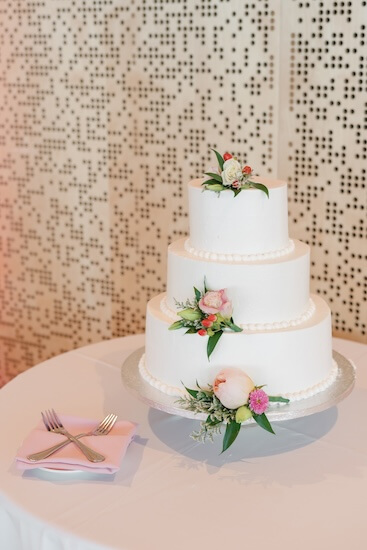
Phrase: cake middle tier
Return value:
(269, 292)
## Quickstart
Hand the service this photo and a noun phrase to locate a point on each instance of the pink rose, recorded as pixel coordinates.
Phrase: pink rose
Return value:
(216, 301)
(232, 387)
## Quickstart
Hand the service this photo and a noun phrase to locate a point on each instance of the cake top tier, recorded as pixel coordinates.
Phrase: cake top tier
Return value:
(247, 223)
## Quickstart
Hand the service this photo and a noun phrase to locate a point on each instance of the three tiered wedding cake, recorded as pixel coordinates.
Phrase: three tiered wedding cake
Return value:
(238, 263)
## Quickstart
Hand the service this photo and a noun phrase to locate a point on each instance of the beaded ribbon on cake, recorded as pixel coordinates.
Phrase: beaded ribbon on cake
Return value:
(165, 388)
(292, 396)
(307, 314)
(271, 255)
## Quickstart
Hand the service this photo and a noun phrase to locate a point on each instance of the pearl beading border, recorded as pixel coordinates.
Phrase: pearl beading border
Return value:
(153, 381)
(292, 396)
(271, 255)
(313, 390)
(306, 315)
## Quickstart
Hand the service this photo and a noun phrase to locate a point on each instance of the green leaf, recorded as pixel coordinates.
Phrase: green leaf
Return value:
(217, 187)
(262, 420)
(197, 294)
(278, 399)
(193, 393)
(213, 341)
(215, 177)
(191, 330)
(190, 314)
(236, 192)
(261, 187)
(176, 325)
(232, 431)
(211, 182)
(234, 327)
(205, 287)
(220, 159)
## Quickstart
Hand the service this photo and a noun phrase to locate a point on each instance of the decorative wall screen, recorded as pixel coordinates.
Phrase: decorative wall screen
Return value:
(109, 107)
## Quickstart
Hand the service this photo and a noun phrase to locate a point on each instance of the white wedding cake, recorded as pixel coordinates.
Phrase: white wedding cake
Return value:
(247, 271)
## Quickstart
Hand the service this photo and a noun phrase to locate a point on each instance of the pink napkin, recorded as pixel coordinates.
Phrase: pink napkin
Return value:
(113, 446)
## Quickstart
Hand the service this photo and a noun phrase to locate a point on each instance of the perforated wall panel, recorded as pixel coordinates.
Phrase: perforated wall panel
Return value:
(109, 107)
(323, 119)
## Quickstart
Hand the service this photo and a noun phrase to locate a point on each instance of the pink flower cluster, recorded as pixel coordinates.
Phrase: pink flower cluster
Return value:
(258, 401)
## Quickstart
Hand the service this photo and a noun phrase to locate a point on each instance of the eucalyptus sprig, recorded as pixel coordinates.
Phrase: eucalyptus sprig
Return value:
(205, 401)
(233, 177)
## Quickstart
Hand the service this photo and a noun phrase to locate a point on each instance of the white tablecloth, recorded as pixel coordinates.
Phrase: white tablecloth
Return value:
(304, 487)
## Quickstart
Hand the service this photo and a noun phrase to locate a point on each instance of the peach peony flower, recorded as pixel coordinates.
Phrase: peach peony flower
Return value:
(216, 301)
(232, 387)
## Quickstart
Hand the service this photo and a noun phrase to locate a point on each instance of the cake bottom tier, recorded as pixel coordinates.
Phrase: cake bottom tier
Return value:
(294, 362)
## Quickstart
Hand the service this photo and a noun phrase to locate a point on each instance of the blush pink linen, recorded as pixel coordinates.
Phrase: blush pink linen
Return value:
(113, 446)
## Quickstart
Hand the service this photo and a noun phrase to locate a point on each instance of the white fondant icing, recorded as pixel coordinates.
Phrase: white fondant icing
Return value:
(313, 390)
(165, 388)
(262, 292)
(250, 223)
(288, 361)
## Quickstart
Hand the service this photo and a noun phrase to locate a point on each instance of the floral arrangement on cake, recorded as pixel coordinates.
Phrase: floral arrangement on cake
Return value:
(231, 175)
(231, 400)
(208, 314)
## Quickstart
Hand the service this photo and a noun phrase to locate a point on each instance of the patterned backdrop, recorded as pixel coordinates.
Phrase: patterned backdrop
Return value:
(109, 107)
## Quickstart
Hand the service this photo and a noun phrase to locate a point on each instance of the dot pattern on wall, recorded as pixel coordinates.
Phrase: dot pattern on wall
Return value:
(324, 113)
(109, 107)
(188, 84)
(108, 110)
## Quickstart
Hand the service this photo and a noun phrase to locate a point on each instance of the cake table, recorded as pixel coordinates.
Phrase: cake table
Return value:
(304, 487)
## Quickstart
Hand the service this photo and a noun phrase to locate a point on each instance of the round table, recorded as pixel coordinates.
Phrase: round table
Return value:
(306, 486)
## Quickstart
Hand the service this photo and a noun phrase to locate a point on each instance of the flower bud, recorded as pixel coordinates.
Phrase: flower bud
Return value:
(189, 314)
(243, 413)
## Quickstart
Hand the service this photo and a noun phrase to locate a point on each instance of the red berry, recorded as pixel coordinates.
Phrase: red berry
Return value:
(212, 317)
(246, 170)
(202, 332)
(227, 156)
(206, 323)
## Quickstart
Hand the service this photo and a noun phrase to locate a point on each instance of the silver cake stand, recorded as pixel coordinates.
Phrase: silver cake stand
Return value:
(338, 390)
